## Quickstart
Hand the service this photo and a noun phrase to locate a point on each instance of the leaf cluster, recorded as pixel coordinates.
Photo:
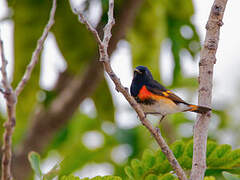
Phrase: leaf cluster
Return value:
(219, 158)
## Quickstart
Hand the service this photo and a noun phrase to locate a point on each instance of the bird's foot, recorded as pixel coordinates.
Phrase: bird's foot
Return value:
(163, 116)
(158, 130)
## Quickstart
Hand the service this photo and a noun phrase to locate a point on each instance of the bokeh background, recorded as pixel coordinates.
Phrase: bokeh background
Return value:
(70, 112)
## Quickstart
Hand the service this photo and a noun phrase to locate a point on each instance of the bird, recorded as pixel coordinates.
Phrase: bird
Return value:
(155, 99)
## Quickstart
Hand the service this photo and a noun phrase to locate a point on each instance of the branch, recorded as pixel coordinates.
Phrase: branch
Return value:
(37, 51)
(104, 58)
(11, 96)
(46, 122)
(207, 61)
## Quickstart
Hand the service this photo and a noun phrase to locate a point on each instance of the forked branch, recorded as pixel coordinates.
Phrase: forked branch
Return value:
(11, 96)
(104, 58)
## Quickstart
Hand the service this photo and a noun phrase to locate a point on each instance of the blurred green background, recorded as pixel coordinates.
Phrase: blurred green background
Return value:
(72, 115)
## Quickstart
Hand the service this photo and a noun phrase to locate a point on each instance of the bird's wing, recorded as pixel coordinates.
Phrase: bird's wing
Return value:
(160, 90)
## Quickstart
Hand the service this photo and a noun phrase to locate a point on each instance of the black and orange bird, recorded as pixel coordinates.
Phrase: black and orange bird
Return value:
(155, 98)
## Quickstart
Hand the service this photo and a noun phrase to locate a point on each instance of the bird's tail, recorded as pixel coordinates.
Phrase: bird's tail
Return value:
(199, 109)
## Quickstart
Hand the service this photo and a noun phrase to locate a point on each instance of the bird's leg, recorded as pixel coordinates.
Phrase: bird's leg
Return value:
(145, 114)
(163, 116)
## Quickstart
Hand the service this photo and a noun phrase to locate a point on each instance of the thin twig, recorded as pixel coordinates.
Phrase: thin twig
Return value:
(11, 96)
(37, 51)
(207, 61)
(104, 58)
(83, 20)
(3, 69)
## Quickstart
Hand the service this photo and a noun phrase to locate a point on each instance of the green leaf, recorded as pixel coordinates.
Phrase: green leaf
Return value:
(71, 177)
(209, 178)
(219, 157)
(106, 178)
(229, 176)
(34, 159)
(211, 146)
(168, 177)
(151, 177)
(233, 158)
(52, 173)
(189, 149)
(148, 159)
(137, 168)
(178, 148)
(129, 172)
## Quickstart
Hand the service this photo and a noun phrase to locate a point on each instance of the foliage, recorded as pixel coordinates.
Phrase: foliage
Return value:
(95, 178)
(219, 158)
(155, 166)
(229, 176)
(34, 159)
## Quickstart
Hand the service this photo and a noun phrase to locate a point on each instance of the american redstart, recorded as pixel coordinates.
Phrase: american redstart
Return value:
(154, 98)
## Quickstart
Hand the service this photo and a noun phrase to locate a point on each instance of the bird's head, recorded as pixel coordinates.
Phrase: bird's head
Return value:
(142, 73)
(142, 76)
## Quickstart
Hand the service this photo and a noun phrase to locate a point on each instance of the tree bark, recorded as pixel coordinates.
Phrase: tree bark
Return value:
(207, 61)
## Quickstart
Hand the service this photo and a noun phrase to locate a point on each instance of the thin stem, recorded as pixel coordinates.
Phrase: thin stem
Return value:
(37, 51)
(10, 97)
(104, 58)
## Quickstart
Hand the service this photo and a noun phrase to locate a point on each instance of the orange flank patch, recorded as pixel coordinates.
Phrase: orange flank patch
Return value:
(144, 93)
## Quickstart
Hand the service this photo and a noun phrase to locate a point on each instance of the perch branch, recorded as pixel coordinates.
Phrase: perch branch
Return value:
(104, 58)
(37, 51)
(46, 122)
(11, 96)
(206, 64)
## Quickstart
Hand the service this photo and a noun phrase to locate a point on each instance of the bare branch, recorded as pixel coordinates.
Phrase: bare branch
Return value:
(11, 97)
(103, 46)
(107, 29)
(207, 61)
(37, 51)
(3, 69)
(82, 19)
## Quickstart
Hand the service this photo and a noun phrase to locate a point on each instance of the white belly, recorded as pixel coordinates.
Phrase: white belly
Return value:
(164, 107)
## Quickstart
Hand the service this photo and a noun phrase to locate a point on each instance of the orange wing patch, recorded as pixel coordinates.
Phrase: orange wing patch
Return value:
(144, 93)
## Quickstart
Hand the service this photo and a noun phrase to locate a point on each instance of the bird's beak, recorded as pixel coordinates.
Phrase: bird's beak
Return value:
(138, 71)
